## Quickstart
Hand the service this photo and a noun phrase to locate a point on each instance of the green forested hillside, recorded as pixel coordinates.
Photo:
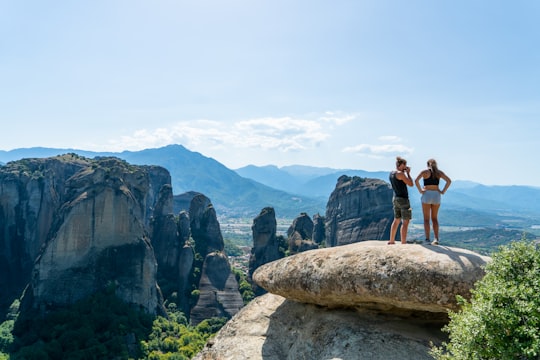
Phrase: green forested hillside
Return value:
(103, 327)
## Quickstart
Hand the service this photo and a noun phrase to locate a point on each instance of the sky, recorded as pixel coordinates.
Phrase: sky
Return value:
(345, 84)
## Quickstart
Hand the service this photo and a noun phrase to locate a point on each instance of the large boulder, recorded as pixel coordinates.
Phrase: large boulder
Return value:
(374, 274)
(274, 328)
(365, 300)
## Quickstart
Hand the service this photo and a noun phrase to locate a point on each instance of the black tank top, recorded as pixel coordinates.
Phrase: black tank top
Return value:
(399, 186)
(431, 180)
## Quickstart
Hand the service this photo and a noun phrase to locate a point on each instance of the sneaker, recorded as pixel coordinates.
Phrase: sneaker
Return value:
(435, 242)
(427, 241)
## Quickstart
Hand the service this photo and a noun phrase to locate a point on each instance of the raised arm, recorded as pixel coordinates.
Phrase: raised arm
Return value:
(405, 176)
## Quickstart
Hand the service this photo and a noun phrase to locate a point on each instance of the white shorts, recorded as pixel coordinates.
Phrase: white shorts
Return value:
(431, 197)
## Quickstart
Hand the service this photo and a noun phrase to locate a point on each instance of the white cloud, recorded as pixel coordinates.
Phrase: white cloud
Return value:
(378, 150)
(283, 134)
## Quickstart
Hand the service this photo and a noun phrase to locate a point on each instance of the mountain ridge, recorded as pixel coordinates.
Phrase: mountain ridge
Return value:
(294, 189)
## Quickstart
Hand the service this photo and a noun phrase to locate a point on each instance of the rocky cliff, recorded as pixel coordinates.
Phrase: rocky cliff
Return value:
(99, 238)
(300, 234)
(365, 300)
(31, 194)
(70, 226)
(358, 209)
(265, 243)
(218, 288)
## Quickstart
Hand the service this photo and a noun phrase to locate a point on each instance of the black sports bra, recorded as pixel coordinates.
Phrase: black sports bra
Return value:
(432, 180)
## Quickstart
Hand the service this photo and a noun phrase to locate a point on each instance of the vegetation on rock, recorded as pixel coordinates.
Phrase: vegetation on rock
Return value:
(502, 319)
(102, 326)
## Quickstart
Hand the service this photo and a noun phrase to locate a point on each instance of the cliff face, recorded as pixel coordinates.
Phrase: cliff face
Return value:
(70, 226)
(265, 243)
(358, 209)
(100, 238)
(300, 234)
(218, 288)
(31, 194)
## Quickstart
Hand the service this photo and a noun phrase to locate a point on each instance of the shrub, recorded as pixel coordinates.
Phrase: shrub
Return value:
(502, 319)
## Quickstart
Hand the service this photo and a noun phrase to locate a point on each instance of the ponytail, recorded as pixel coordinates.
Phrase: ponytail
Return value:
(432, 165)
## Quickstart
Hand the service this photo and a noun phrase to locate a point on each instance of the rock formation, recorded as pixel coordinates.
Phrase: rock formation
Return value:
(31, 193)
(358, 209)
(165, 237)
(70, 226)
(219, 295)
(299, 235)
(274, 328)
(265, 243)
(99, 239)
(319, 235)
(218, 288)
(371, 273)
(204, 226)
(360, 301)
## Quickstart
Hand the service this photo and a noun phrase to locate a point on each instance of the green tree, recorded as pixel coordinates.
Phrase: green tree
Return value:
(502, 319)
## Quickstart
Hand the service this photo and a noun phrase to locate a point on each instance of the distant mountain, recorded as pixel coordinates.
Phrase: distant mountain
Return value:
(271, 176)
(295, 189)
(304, 180)
(466, 204)
(231, 194)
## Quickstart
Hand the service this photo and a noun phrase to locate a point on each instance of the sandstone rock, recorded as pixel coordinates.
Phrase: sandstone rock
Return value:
(166, 243)
(273, 328)
(219, 295)
(372, 274)
(358, 209)
(299, 234)
(185, 269)
(204, 225)
(319, 235)
(31, 192)
(218, 289)
(265, 244)
(184, 230)
(99, 238)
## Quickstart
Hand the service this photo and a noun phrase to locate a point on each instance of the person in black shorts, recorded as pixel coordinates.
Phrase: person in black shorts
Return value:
(400, 179)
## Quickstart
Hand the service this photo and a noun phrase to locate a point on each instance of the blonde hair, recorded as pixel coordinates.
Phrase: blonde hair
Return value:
(432, 165)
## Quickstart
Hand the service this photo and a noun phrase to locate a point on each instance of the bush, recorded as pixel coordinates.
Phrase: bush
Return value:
(502, 319)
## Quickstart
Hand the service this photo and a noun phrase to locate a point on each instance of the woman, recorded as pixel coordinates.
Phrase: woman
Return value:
(431, 196)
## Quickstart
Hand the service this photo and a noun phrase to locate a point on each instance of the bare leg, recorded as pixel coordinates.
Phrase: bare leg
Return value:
(393, 230)
(426, 210)
(435, 219)
(404, 227)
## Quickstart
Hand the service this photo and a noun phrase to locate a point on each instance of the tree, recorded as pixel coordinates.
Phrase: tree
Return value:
(502, 319)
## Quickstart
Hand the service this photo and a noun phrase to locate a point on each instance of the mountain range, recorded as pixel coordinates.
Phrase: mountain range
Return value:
(291, 190)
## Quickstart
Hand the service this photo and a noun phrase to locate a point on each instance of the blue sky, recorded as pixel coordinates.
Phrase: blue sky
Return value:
(342, 84)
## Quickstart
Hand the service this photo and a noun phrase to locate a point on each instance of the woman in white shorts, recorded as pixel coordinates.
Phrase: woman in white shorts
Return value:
(431, 197)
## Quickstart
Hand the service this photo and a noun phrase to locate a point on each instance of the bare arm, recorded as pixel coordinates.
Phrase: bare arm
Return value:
(405, 176)
(447, 180)
(417, 181)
